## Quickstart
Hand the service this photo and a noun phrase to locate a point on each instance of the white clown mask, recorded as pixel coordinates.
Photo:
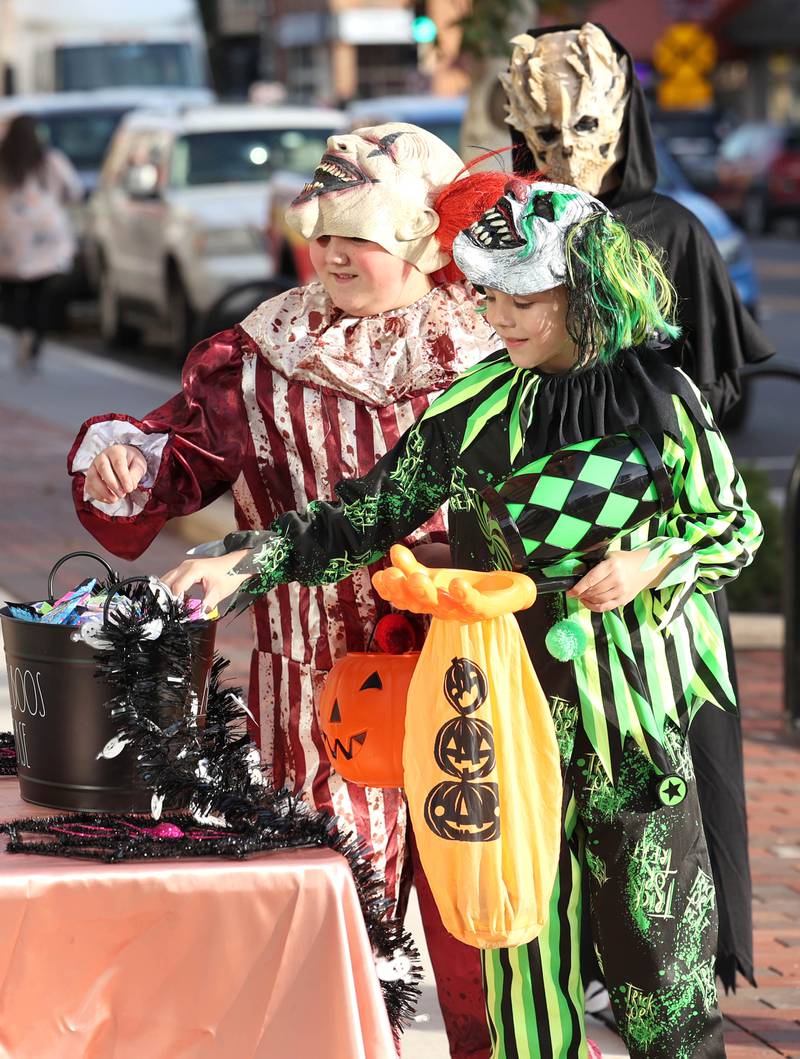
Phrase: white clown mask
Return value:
(567, 93)
(379, 183)
(519, 245)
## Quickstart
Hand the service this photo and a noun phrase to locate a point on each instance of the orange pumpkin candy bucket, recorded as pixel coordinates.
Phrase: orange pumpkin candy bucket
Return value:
(362, 708)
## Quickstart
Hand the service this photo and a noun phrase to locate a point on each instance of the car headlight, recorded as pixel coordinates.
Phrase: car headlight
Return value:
(731, 247)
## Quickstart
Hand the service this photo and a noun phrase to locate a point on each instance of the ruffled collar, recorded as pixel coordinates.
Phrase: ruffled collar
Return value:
(544, 411)
(374, 359)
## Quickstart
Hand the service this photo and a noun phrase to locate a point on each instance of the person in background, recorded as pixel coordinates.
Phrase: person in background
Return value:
(37, 243)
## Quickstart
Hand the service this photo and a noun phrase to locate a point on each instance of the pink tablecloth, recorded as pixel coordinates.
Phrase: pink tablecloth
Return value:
(262, 959)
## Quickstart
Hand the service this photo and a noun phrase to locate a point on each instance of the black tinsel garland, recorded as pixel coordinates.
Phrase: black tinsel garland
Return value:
(211, 771)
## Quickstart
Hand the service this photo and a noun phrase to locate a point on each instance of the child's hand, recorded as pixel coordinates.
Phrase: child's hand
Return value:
(114, 473)
(215, 575)
(617, 580)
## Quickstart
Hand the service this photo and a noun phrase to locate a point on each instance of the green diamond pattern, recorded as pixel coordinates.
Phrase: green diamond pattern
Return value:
(616, 511)
(600, 470)
(568, 532)
(530, 545)
(551, 492)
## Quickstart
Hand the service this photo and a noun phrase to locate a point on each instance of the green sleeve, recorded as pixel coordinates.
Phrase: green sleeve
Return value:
(712, 531)
(332, 539)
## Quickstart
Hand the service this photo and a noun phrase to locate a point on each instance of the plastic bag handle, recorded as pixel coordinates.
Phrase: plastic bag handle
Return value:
(74, 555)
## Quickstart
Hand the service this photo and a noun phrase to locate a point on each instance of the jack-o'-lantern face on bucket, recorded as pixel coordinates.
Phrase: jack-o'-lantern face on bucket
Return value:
(362, 716)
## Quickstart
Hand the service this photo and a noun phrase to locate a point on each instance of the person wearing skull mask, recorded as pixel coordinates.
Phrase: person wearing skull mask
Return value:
(577, 112)
(315, 385)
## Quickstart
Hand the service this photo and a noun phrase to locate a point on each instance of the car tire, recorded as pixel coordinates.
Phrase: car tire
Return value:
(238, 302)
(113, 328)
(182, 320)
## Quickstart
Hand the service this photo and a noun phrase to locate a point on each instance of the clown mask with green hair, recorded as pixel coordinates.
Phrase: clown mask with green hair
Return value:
(540, 235)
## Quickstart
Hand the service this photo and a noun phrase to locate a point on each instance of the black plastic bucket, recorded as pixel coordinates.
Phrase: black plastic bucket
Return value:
(61, 722)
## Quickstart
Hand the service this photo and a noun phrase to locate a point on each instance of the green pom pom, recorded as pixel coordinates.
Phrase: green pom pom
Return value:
(566, 640)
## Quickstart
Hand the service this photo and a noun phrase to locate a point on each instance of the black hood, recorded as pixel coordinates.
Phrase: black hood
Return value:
(638, 168)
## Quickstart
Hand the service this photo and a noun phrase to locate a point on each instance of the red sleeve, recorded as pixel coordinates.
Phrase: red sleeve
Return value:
(206, 434)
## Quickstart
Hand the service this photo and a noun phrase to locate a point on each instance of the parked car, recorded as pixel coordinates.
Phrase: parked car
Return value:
(178, 216)
(744, 161)
(692, 137)
(783, 181)
(441, 115)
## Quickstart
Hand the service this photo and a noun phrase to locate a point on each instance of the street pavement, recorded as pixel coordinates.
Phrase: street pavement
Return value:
(38, 419)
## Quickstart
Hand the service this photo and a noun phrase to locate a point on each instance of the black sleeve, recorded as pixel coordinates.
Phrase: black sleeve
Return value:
(332, 539)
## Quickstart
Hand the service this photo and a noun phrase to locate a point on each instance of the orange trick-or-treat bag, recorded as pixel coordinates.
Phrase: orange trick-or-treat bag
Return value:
(480, 758)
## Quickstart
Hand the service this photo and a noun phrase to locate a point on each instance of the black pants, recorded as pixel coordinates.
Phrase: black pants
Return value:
(27, 306)
(652, 909)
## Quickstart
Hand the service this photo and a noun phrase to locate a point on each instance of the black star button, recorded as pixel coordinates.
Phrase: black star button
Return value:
(671, 790)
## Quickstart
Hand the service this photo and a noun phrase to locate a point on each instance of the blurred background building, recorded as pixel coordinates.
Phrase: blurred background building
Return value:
(335, 50)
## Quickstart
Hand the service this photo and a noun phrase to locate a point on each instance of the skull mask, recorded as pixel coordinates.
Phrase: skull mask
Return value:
(378, 184)
(567, 93)
(518, 246)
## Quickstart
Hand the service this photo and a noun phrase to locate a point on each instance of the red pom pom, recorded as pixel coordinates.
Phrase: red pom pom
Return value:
(395, 634)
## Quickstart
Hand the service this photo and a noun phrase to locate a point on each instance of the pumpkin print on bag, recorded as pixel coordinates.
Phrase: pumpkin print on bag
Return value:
(466, 810)
(465, 685)
(362, 713)
(465, 748)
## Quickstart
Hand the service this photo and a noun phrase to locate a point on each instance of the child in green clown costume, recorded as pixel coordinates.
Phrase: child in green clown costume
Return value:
(578, 303)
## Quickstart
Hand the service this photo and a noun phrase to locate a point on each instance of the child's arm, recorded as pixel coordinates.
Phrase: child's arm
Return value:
(712, 532)
(710, 535)
(176, 460)
(330, 540)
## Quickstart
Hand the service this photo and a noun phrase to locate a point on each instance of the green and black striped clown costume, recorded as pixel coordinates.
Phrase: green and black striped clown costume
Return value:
(621, 708)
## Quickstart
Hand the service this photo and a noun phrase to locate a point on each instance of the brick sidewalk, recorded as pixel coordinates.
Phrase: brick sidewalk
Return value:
(767, 1019)
(38, 524)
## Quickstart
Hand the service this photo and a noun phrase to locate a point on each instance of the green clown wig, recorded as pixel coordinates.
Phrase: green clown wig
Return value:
(618, 293)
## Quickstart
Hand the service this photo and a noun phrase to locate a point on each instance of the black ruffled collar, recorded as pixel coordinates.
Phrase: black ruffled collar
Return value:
(547, 410)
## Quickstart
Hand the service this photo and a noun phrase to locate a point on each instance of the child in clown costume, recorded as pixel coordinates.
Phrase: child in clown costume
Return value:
(315, 385)
(575, 300)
